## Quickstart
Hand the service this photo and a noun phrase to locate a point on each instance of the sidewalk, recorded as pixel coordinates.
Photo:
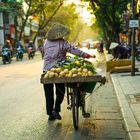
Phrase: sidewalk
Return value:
(127, 89)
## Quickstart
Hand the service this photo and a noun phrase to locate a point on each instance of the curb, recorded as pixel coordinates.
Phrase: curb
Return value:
(131, 126)
(130, 123)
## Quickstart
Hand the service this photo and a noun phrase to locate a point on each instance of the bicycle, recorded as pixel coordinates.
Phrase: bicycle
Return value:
(75, 93)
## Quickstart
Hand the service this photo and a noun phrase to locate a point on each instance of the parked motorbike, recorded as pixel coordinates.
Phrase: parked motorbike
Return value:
(138, 54)
(6, 55)
(19, 53)
(128, 47)
(30, 53)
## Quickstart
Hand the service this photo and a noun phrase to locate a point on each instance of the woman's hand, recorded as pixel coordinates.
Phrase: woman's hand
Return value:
(87, 56)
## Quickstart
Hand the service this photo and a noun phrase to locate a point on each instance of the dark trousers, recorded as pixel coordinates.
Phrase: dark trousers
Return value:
(52, 104)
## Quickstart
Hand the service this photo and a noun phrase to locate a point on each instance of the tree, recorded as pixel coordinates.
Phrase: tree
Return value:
(108, 16)
(57, 13)
(46, 12)
(43, 18)
(34, 8)
(68, 17)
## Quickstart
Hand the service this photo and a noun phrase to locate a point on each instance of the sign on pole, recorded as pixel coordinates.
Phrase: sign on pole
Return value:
(133, 23)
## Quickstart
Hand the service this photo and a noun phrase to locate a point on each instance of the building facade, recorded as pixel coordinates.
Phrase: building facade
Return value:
(1, 29)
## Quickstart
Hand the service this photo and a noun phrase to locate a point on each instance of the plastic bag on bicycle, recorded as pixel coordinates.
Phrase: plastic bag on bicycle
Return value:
(88, 86)
(85, 86)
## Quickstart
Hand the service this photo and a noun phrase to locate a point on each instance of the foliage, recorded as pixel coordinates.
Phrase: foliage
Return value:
(68, 17)
(11, 7)
(108, 16)
(44, 15)
(45, 12)
(37, 9)
(56, 12)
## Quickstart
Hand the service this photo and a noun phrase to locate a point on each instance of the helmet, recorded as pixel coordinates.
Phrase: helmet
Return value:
(7, 41)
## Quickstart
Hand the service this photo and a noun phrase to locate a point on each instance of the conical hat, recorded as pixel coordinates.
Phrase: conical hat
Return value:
(57, 31)
(113, 45)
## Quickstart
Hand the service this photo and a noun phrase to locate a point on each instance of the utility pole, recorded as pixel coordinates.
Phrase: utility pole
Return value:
(133, 41)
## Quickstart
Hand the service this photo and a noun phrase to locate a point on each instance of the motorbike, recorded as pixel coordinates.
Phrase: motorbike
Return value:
(128, 47)
(138, 54)
(30, 53)
(6, 57)
(19, 54)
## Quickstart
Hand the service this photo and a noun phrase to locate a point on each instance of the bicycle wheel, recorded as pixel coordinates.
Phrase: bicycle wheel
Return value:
(75, 108)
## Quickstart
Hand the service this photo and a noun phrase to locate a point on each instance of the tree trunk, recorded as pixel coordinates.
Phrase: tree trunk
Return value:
(25, 21)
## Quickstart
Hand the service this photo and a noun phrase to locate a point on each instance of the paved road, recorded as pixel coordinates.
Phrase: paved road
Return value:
(23, 116)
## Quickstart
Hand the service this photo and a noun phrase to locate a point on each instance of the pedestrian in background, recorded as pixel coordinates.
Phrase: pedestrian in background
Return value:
(88, 45)
(40, 48)
(101, 46)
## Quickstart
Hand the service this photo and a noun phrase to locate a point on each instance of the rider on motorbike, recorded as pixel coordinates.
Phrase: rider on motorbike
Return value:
(30, 49)
(19, 52)
(7, 52)
(31, 45)
(8, 45)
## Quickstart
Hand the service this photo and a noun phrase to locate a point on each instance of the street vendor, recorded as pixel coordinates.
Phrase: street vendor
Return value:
(55, 49)
(118, 51)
